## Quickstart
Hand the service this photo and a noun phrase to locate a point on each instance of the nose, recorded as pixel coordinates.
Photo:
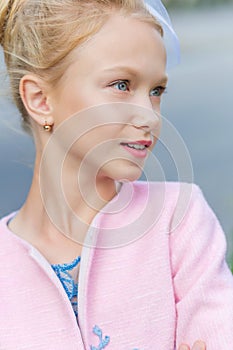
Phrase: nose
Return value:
(146, 116)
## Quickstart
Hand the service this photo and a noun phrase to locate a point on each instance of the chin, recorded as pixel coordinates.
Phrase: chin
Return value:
(127, 173)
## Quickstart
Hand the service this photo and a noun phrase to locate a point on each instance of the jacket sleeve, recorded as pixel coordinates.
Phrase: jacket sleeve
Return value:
(203, 283)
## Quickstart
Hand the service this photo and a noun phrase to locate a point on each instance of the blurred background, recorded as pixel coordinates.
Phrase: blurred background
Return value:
(198, 104)
(193, 3)
(199, 99)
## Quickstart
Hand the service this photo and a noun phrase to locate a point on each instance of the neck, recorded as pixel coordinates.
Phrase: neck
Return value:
(59, 207)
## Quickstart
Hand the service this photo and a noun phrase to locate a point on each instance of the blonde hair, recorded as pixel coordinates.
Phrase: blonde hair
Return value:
(38, 35)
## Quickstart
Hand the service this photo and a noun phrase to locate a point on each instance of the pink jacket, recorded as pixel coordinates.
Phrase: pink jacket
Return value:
(155, 278)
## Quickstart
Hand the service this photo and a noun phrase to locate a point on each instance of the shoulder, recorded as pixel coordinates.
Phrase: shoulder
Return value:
(172, 189)
(173, 193)
(177, 202)
(7, 238)
(7, 217)
(5, 220)
(194, 228)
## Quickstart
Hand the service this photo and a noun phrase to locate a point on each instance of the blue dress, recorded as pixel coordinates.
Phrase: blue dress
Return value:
(63, 272)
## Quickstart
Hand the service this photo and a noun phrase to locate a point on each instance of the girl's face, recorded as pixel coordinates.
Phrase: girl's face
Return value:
(113, 87)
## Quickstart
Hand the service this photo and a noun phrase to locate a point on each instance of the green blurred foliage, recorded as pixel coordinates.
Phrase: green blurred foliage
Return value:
(231, 263)
(192, 3)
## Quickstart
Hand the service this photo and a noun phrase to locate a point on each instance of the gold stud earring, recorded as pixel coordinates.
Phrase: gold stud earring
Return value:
(47, 127)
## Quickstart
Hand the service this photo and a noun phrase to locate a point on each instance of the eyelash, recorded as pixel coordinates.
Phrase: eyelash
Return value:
(113, 84)
(162, 89)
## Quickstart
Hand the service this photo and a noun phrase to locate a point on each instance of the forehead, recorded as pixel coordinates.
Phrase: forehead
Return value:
(123, 41)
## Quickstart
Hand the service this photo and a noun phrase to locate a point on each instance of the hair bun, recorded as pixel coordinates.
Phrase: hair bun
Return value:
(5, 10)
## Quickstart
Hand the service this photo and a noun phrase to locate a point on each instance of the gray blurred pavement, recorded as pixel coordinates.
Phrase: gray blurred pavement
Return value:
(198, 103)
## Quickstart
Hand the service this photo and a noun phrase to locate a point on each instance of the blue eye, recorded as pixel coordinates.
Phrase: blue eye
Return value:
(121, 85)
(158, 91)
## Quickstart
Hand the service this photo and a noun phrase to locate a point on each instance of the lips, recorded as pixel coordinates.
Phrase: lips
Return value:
(138, 148)
(138, 145)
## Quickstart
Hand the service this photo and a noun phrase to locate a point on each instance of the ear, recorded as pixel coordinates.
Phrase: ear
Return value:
(33, 93)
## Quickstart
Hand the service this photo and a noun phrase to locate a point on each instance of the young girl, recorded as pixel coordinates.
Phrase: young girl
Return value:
(95, 259)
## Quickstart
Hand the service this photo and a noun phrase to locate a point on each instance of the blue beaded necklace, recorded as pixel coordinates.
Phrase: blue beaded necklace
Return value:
(70, 286)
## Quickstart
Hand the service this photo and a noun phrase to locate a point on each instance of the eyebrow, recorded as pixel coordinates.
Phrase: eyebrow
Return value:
(132, 71)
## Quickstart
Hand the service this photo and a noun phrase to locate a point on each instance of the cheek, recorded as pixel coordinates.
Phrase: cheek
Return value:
(94, 132)
(98, 141)
(68, 102)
